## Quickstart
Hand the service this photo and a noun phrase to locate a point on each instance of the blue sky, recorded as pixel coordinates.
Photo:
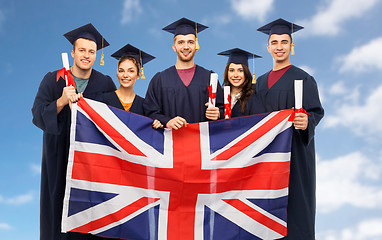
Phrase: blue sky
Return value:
(341, 46)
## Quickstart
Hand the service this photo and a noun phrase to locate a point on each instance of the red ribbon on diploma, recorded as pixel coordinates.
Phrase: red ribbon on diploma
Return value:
(227, 107)
(300, 110)
(62, 73)
(211, 94)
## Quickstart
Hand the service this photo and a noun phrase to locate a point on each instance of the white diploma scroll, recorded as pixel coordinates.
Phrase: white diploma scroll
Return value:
(297, 94)
(227, 92)
(213, 86)
(65, 63)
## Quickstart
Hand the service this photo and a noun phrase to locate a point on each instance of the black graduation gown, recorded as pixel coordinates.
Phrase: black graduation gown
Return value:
(302, 181)
(254, 106)
(167, 96)
(55, 149)
(111, 99)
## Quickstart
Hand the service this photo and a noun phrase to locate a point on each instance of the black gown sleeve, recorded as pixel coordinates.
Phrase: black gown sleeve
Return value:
(153, 101)
(44, 108)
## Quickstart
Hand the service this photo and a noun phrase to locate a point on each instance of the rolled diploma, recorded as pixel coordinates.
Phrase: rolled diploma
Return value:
(65, 63)
(213, 83)
(227, 91)
(297, 94)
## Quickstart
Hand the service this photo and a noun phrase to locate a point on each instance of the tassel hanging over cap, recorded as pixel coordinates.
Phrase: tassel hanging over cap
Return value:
(292, 49)
(102, 60)
(142, 73)
(196, 40)
(102, 56)
(253, 78)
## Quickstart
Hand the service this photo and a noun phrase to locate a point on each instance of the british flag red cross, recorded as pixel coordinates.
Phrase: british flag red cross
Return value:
(226, 179)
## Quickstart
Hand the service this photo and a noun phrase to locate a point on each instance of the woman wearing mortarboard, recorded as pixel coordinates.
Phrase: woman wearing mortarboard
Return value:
(242, 89)
(129, 69)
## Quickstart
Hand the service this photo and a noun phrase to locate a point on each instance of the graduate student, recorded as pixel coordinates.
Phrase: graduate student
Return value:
(237, 75)
(276, 88)
(51, 113)
(178, 95)
(129, 69)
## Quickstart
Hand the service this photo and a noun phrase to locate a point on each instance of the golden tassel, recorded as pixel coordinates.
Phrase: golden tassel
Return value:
(253, 79)
(292, 49)
(102, 60)
(196, 35)
(142, 74)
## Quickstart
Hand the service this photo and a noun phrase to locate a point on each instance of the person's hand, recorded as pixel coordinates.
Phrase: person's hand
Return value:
(157, 124)
(212, 113)
(68, 95)
(75, 99)
(176, 123)
(300, 121)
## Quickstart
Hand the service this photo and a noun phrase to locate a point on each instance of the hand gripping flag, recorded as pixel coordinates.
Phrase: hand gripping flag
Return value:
(221, 180)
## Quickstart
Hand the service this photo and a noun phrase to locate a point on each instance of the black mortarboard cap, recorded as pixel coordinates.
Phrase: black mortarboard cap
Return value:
(279, 27)
(87, 31)
(130, 50)
(184, 26)
(139, 55)
(238, 56)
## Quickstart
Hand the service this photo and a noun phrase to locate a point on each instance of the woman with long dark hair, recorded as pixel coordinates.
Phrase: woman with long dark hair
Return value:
(237, 75)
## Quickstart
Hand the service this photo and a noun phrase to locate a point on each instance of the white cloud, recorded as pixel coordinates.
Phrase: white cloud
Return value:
(338, 88)
(364, 58)
(252, 9)
(308, 69)
(349, 180)
(217, 20)
(5, 226)
(36, 168)
(363, 118)
(332, 14)
(368, 229)
(131, 9)
(18, 200)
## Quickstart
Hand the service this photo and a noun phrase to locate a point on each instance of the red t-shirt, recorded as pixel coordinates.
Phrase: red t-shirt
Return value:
(186, 75)
(274, 76)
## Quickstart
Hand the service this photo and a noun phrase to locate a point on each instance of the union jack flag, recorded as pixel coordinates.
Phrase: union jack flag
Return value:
(225, 179)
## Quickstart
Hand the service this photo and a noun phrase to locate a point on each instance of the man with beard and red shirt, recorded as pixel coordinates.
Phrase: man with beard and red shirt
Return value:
(178, 95)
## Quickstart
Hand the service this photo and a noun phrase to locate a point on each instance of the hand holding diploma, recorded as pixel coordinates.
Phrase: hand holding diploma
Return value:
(212, 112)
(300, 120)
(69, 94)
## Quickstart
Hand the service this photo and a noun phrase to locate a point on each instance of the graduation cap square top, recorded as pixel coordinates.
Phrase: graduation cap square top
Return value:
(89, 32)
(279, 27)
(184, 26)
(238, 56)
(130, 50)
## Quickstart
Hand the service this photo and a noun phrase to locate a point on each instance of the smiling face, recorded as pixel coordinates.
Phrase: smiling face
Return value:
(184, 46)
(279, 47)
(127, 73)
(236, 75)
(84, 54)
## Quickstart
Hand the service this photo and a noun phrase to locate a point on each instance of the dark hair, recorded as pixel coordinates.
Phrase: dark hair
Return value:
(248, 88)
(290, 35)
(74, 43)
(136, 63)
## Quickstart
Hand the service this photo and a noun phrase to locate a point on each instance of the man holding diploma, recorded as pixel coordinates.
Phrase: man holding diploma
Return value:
(179, 94)
(51, 113)
(277, 90)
